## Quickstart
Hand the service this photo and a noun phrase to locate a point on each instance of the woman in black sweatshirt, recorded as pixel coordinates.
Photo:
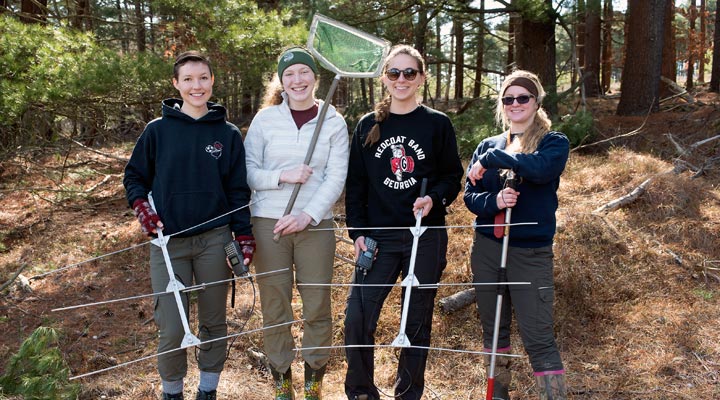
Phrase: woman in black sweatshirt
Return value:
(393, 149)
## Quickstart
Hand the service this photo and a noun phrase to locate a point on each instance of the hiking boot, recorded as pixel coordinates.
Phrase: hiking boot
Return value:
(283, 385)
(361, 397)
(176, 396)
(203, 395)
(313, 382)
(551, 387)
(503, 376)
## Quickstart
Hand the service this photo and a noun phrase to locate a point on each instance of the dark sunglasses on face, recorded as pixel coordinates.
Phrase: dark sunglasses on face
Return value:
(409, 73)
(522, 99)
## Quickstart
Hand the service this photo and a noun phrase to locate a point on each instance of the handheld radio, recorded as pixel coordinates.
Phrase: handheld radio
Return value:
(234, 254)
(366, 257)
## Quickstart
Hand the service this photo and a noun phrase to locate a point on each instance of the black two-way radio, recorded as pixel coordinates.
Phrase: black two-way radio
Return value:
(235, 256)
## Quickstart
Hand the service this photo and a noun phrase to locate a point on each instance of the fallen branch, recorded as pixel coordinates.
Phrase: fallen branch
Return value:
(631, 133)
(95, 151)
(457, 301)
(679, 91)
(679, 167)
(11, 280)
(624, 200)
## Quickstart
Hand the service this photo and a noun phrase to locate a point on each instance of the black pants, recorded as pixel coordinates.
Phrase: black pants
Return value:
(365, 302)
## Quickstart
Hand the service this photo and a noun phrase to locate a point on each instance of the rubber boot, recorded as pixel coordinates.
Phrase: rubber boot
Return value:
(283, 385)
(313, 382)
(503, 376)
(203, 395)
(551, 387)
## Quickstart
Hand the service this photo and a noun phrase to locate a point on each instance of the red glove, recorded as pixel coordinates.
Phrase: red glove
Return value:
(147, 217)
(247, 246)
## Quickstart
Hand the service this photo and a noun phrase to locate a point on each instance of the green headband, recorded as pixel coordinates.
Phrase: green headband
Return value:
(295, 55)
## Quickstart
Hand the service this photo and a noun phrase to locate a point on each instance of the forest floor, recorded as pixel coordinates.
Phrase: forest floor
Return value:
(637, 288)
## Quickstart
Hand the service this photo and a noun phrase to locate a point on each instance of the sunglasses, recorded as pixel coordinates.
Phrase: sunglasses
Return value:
(409, 73)
(522, 99)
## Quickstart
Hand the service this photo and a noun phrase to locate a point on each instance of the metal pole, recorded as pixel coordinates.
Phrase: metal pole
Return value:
(311, 148)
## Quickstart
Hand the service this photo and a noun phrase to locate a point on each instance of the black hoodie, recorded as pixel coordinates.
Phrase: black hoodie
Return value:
(195, 169)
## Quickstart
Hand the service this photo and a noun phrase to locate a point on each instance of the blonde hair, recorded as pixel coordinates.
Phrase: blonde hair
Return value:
(382, 109)
(541, 122)
(273, 92)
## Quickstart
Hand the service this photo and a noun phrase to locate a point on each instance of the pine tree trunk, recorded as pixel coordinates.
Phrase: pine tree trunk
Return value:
(592, 49)
(536, 52)
(715, 74)
(669, 60)
(643, 57)
(459, 57)
(692, 37)
(607, 55)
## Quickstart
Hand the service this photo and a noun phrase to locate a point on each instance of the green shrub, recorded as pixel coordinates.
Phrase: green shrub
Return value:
(37, 370)
(474, 125)
(577, 127)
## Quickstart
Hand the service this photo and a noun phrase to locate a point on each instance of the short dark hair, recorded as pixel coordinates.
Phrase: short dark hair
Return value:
(188, 56)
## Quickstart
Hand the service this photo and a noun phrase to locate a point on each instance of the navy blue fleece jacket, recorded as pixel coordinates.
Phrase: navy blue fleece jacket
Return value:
(195, 169)
(539, 175)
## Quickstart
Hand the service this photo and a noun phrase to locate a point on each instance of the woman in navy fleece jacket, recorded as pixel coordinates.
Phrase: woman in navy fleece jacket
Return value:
(536, 156)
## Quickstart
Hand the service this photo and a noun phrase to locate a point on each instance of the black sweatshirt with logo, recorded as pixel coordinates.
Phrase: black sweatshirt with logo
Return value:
(384, 179)
(195, 169)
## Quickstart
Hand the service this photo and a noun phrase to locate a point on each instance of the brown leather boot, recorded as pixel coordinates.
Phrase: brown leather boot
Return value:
(313, 382)
(551, 387)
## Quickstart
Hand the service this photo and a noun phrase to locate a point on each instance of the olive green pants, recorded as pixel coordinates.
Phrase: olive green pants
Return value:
(308, 258)
(195, 259)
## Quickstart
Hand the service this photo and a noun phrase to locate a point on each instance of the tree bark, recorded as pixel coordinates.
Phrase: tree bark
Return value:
(580, 14)
(536, 51)
(591, 73)
(669, 60)
(513, 23)
(701, 47)
(459, 30)
(479, 59)
(438, 66)
(643, 57)
(457, 301)
(140, 26)
(33, 11)
(607, 54)
(715, 73)
(692, 17)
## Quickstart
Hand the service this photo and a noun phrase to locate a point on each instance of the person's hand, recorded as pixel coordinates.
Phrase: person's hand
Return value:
(247, 246)
(291, 224)
(149, 220)
(476, 172)
(424, 203)
(359, 246)
(507, 198)
(299, 174)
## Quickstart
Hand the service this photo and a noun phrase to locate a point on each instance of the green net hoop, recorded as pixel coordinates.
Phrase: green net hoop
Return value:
(345, 50)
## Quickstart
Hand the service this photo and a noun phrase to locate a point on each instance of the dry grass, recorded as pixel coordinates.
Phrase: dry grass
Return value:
(637, 313)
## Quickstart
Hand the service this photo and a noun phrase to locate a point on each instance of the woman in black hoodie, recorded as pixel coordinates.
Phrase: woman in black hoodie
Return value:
(193, 162)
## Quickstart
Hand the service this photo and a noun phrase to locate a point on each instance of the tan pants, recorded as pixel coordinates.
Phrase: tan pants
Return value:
(308, 256)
